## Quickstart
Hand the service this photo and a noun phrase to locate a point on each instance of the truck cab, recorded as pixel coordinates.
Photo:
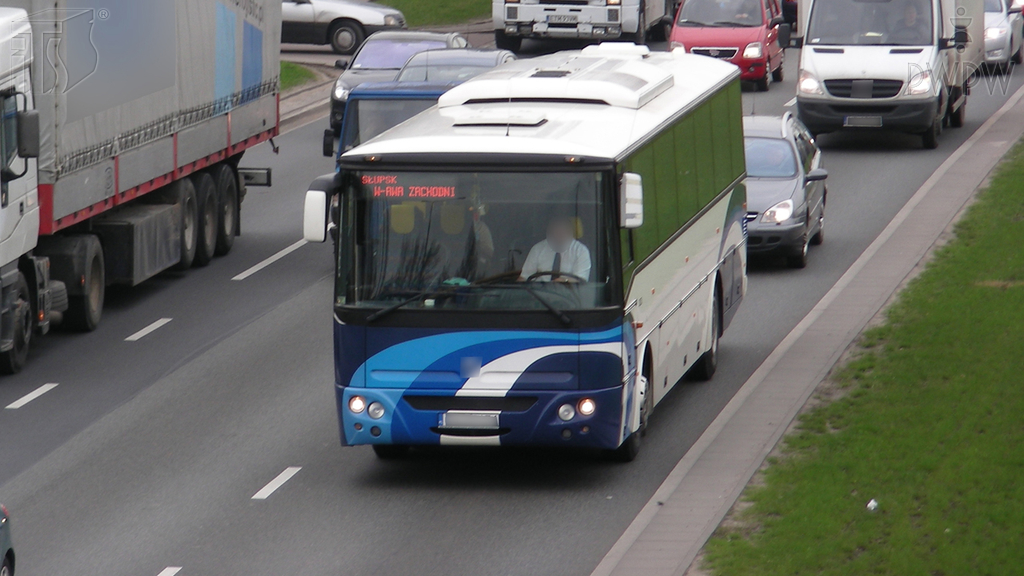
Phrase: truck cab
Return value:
(902, 65)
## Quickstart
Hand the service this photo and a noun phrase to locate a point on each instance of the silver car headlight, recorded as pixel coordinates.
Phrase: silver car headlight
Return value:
(392, 20)
(779, 213)
(994, 33)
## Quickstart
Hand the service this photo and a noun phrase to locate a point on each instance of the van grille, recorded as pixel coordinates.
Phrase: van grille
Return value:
(864, 88)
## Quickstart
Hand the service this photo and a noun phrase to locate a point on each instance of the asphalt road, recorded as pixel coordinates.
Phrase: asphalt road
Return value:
(147, 454)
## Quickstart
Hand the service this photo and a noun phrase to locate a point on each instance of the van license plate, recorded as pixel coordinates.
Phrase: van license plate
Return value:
(562, 18)
(863, 121)
(469, 420)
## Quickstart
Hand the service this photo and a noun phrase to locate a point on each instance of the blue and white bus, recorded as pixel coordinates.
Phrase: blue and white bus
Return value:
(541, 257)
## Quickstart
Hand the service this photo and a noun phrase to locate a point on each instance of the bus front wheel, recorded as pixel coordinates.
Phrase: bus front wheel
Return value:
(390, 451)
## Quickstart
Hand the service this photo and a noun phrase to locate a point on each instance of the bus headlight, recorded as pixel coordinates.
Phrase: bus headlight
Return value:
(586, 407)
(375, 410)
(566, 412)
(357, 404)
(779, 213)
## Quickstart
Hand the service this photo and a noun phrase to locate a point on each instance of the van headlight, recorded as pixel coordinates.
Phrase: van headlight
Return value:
(808, 84)
(753, 50)
(779, 213)
(920, 84)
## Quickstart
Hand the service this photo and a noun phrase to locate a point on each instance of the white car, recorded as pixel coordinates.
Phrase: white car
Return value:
(343, 24)
(1003, 33)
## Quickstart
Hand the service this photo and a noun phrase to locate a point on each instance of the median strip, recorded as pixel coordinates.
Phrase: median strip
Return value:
(31, 396)
(148, 330)
(276, 483)
(269, 261)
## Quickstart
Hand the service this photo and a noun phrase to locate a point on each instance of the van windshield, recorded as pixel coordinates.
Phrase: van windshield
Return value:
(873, 22)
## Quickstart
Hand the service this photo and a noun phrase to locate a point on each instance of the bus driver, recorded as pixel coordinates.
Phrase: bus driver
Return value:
(560, 253)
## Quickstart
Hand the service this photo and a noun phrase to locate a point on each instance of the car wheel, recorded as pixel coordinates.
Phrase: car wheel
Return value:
(930, 139)
(764, 83)
(778, 75)
(819, 237)
(798, 257)
(5, 568)
(505, 42)
(390, 451)
(346, 37)
(1018, 56)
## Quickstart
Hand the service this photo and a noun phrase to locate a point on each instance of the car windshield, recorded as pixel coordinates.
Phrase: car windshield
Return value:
(391, 54)
(441, 73)
(994, 6)
(866, 22)
(722, 13)
(366, 119)
(476, 240)
(769, 158)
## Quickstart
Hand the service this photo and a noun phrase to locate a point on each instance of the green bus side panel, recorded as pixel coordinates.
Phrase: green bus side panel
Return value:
(667, 188)
(686, 170)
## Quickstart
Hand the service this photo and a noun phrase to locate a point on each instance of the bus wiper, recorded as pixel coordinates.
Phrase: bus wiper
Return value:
(558, 313)
(385, 311)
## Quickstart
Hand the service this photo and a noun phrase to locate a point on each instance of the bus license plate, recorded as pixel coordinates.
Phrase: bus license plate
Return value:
(562, 18)
(863, 122)
(469, 420)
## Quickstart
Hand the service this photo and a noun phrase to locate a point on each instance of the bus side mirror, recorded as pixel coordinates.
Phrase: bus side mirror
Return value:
(315, 216)
(631, 201)
(28, 134)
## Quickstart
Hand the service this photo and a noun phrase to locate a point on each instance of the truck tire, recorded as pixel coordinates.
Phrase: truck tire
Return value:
(227, 190)
(208, 212)
(503, 41)
(930, 138)
(346, 37)
(13, 360)
(189, 224)
(85, 309)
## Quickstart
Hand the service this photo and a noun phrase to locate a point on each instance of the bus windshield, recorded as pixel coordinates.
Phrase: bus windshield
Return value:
(882, 22)
(477, 240)
(366, 119)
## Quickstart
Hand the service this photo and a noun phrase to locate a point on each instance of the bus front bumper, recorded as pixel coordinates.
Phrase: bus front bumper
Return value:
(432, 418)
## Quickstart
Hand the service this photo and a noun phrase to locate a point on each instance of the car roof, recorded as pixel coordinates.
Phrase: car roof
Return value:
(414, 88)
(766, 126)
(459, 56)
(410, 35)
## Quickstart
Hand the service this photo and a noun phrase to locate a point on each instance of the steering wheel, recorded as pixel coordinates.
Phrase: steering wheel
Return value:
(533, 277)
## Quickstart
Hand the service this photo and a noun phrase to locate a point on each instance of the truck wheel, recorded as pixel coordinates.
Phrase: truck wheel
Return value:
(930, 139)
(189, 224)
(706, 366)
(346, 37)
(12, 361)
(209, 218)
(85, 309)
(505, 42)
(227, 190)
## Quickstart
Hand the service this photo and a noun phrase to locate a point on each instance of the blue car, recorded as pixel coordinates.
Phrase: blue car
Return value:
(6, 548)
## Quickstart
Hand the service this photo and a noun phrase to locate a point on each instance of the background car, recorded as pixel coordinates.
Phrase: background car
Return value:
(1003, 24)
(786, 191)
(455, 65)
(6, 548)
(343, 24)
(748, 33)
(380, 59)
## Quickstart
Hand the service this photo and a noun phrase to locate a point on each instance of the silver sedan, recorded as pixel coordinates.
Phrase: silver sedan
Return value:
(1003, 31)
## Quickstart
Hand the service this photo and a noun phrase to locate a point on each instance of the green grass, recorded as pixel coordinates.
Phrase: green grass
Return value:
(435, 12)
(930, 423)
(293, 75)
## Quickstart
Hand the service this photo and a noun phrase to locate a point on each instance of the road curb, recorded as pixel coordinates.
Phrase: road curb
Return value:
(671, 529)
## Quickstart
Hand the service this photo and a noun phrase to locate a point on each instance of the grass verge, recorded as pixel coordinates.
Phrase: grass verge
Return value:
(435, 12)
(929, 422)
(293, 75)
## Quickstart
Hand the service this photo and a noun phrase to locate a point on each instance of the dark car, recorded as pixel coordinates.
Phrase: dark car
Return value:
(380, 58)
(6, 548)
(454, 65)
(786, 191)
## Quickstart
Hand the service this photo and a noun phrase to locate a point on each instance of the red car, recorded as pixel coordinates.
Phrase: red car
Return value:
(749, 33)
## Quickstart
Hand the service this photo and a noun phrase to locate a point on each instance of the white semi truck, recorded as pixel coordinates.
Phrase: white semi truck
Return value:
(123, 124)
(597, 20)
(904, 65)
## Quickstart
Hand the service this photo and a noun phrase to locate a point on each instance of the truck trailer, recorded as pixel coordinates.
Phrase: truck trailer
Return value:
(122, 130)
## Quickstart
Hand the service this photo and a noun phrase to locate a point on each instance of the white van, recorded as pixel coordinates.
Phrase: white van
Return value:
(889, 64)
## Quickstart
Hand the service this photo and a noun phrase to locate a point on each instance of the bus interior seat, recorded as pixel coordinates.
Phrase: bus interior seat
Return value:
(403, 218)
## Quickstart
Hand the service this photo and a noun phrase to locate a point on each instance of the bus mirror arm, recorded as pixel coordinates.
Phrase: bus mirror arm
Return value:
(631, 201)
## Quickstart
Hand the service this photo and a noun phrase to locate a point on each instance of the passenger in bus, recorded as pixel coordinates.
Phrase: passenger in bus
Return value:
(560, 253)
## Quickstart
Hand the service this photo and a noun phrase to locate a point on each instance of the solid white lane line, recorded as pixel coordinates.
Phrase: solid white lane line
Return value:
(147, 330)
(790, 104)
(270, 260)
(170, 571)
(276, 483)
(31, 396)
